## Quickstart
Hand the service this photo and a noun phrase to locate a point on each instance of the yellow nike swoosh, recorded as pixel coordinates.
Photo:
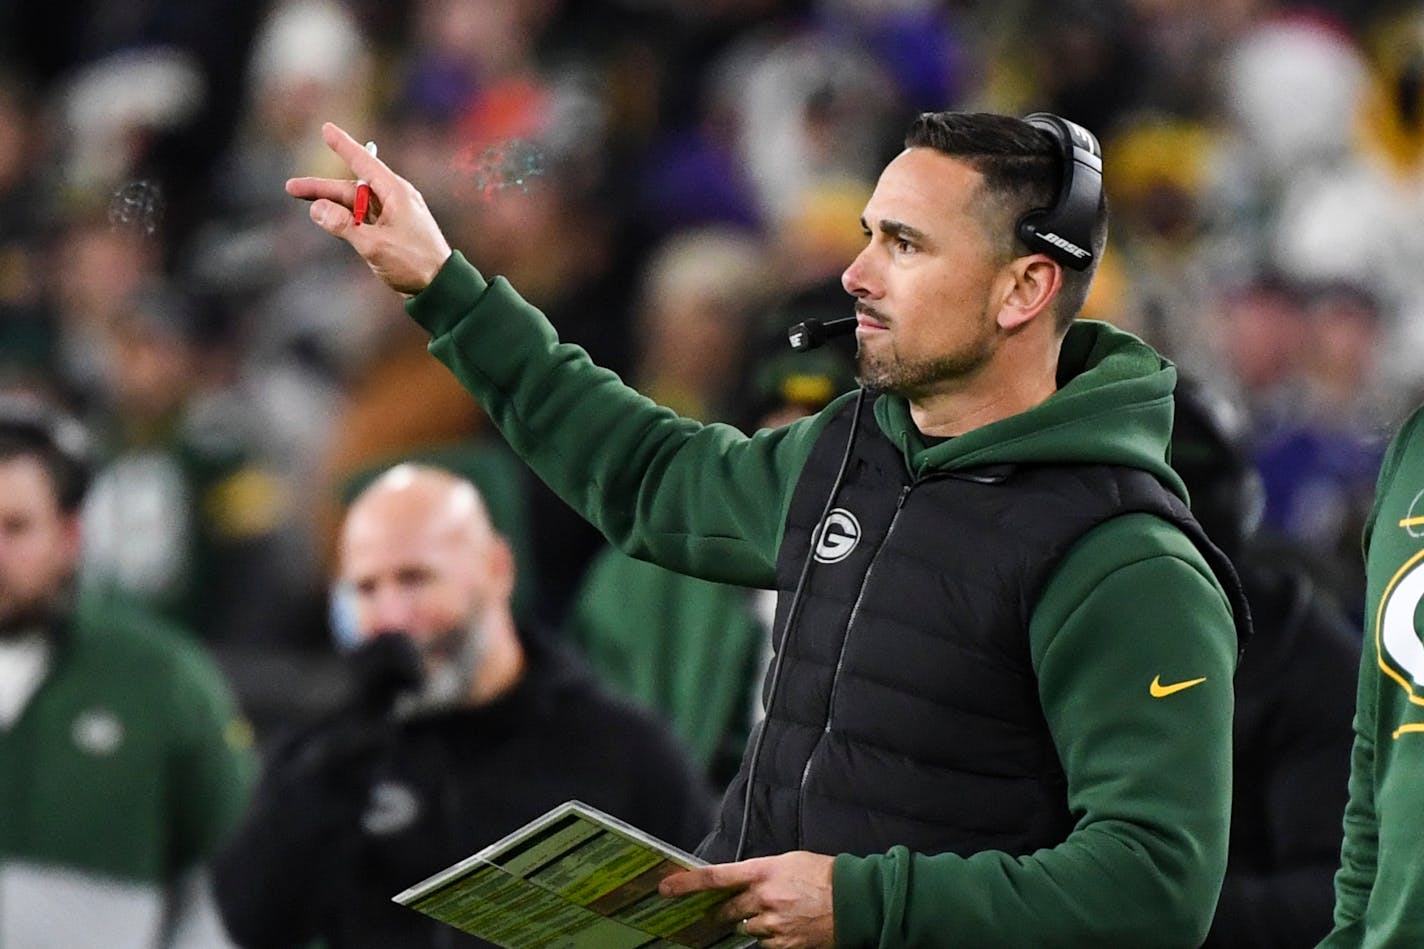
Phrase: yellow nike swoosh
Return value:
(1160, 691)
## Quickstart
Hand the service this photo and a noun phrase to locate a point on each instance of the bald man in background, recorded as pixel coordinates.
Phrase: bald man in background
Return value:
(461, 728)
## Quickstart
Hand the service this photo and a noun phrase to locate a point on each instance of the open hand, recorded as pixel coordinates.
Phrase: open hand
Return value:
(399, 239)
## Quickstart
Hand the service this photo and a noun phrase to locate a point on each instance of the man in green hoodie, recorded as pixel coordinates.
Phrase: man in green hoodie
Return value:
(1379, 887)
(999, 710)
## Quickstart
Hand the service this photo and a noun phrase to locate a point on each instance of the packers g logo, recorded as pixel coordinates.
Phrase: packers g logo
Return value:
(1397, 639)
(837, 536)
(1401, 649)
(1398, 644)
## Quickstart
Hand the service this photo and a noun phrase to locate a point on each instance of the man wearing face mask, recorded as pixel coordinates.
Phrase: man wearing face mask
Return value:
(462, 728)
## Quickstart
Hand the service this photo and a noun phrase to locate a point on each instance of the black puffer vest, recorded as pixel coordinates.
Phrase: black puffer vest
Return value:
(907, 709)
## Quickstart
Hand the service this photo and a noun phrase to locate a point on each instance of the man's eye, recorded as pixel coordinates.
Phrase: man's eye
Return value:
(904, 246)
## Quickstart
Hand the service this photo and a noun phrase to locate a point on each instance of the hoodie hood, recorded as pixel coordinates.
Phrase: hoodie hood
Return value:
(1113, 406)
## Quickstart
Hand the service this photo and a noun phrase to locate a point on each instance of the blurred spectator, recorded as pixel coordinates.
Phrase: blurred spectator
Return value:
(691, 177)
(26, 335)
(1327, 188)
(503, 483)
(1365, 220)
(1088, 60)
(395, 402)
(1262, 331)
(1295, 691)
(182, 515)
(820, 233)
(122, 760)
(527, 190)
(919, 43)
(463, 728)
(458, 47)
(1291, 86)
(698, 293)
(1160, 176)
(808, 106)
(1342, 363)
(117, 106)
(94, 268)
(1320, 453)
(309, 62)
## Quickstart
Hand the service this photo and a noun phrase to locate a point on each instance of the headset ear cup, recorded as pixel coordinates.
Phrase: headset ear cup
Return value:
(1064, 230)
(1028, 227)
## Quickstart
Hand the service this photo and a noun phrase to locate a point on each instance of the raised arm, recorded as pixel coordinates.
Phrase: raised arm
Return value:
(700, 499)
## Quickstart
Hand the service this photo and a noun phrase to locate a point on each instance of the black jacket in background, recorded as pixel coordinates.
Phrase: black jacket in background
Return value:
(355, 808)
(1295, 698)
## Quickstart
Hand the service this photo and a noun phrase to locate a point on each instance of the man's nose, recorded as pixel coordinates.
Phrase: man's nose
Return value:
(855, 278)
(388, 611)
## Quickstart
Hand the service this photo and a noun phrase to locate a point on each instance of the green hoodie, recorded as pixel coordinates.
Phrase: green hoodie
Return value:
(1379, 889)
(1131, 605)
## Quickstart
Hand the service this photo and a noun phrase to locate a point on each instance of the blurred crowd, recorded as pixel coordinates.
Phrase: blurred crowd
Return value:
(673, 182)
(656, 175)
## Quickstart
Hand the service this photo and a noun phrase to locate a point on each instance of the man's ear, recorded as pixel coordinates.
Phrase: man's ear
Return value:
(1031, 286)
(500, 567)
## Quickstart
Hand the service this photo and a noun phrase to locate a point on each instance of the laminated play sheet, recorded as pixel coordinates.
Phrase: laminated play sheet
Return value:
(575, 878)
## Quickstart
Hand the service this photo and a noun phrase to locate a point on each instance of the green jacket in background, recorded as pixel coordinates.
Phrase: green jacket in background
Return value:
(689, 649)
(1379, 890)
(120, 779)
(1131, 604)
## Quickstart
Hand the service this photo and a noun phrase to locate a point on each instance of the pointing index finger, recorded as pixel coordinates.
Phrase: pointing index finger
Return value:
(720, 876)
(362, 163)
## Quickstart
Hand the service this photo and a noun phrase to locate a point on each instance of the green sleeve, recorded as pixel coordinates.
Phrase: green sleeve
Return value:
(1149, 779)
(212, 764)
(1359, 853)
(700, 499)
(1389, 465)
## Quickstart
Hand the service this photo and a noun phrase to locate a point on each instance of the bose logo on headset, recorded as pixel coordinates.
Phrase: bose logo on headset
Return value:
(1067, 245)
(1065, 231)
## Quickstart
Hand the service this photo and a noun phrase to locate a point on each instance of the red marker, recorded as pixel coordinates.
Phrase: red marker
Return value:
(363, 193)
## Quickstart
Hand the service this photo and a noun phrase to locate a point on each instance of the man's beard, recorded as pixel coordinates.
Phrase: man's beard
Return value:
(41, 614)
(452, 661)
(885, 371)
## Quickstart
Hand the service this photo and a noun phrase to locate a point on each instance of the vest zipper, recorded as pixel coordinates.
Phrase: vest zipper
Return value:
(840, 662)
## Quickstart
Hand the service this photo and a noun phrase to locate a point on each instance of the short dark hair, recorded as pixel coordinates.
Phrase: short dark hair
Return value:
(1021, 171)
(32, 429)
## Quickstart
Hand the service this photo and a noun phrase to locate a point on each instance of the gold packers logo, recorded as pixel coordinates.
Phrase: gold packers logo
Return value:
(1397, 641)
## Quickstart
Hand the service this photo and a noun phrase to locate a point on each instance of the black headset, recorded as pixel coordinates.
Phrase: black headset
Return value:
(1065, 230)
(59, 438)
